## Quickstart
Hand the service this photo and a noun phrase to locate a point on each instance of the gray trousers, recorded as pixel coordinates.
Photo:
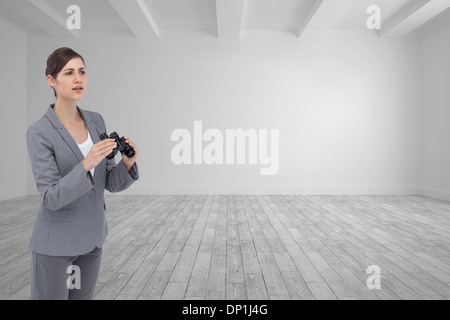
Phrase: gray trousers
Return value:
(65, 278)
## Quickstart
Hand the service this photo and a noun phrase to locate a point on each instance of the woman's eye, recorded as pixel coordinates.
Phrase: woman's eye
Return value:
(70, 73)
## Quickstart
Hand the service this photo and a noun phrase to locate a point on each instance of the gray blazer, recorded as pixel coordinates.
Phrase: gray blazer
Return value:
(71, 218)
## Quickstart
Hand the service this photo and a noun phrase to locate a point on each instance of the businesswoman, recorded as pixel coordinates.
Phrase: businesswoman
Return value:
(71, 173)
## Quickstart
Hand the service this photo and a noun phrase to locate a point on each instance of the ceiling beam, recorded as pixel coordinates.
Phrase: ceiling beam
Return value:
(229, 18)
(137, 16)
(319, 18)
(412, 16)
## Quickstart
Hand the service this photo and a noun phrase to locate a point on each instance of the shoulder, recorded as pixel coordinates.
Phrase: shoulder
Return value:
(40, 133)
(40, 126)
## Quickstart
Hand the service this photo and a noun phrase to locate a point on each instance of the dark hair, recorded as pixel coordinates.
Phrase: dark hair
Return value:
(58, 59)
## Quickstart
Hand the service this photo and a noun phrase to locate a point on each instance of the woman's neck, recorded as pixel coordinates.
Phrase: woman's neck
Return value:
(66, 111)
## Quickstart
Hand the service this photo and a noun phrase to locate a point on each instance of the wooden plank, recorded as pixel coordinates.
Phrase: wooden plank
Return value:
(243, 227)
(198, 228)
(140, 278)
(250, 262)
(108, 270)
(207, 242)
(216, 289)
(174, 291)
(112, 289)
(235, 270)
(199, 277)
(284, 261)
(255, 286)
(220, 236)
(272, 276)
(359, 269)
(127, 297)
(155, 286)
(298, 289)
(22, 294)
(168, 261)
(236, 291)
(183, 268)
(339, 287)
(135, 261)
(321, 291)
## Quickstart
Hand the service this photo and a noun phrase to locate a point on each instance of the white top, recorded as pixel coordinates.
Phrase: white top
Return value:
(85, 147)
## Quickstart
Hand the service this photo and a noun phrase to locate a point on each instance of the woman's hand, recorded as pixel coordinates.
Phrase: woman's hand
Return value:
(97, 153)
(129, 162)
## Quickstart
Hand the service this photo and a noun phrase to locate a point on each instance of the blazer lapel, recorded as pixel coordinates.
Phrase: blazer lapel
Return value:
(90, 126)
(51, 115)
(93, 132)
(95, 136)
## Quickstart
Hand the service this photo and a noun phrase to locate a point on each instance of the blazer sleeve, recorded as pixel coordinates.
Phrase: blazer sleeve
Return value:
(117, 176)
(56, 191)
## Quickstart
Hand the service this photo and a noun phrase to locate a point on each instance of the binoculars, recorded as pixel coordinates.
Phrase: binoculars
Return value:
(122, 146)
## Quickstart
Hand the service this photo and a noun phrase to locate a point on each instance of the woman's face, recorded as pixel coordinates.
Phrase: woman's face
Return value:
(70, 83)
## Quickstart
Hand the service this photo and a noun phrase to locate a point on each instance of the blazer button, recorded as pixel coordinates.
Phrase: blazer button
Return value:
(92, 196)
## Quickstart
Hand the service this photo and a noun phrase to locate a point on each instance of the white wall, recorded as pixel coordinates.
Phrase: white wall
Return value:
(435, 40)
(13, 107)
(347, 107)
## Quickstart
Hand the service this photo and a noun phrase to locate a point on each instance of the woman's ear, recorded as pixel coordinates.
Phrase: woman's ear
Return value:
(51, 81)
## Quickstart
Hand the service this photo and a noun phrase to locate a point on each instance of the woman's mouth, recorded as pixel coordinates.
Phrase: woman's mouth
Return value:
(78, 89)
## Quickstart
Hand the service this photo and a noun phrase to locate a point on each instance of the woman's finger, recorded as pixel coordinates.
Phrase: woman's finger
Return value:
(107, 147)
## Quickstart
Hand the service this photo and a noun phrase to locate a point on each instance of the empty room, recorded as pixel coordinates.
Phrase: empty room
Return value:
(225, 150)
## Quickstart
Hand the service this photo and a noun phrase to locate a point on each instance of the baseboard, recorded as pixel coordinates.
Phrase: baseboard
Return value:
(192, 190)
(11, 193)
(435, 193)
(260, 190)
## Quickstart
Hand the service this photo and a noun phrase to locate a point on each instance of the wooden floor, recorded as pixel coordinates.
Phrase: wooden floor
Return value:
(253, 247)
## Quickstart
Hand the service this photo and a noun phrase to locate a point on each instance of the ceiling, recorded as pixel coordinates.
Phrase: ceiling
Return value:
(227, 17)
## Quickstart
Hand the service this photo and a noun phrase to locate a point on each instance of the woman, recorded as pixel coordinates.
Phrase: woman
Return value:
(71, 173)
